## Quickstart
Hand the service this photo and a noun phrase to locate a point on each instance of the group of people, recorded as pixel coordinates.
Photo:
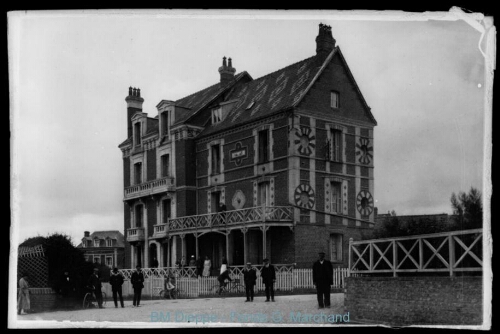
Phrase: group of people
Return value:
(203, 267)
(322, 279)
(268, 275)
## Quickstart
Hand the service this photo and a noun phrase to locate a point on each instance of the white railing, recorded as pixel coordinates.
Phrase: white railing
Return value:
(150, 187)
(288, 278)
(450, 252)
(233, 217)
(135, 234)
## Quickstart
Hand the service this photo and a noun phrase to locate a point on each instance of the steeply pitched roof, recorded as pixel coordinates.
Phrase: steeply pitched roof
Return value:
(271, 93)
(200, 99)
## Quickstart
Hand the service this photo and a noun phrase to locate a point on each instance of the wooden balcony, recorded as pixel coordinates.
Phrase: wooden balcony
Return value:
(275, 215)
(150, 188)
(135, 234)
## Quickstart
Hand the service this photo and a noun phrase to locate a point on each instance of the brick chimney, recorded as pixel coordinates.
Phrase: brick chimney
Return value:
(226, 71)
(134, 105)
(325, 42)
(86, 234)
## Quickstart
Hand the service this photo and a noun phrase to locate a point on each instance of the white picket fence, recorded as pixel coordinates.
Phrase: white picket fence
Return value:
(192, 287)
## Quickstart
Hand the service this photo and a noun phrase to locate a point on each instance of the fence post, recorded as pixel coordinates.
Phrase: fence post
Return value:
(451, 247)
(394, 258)
(350, 257)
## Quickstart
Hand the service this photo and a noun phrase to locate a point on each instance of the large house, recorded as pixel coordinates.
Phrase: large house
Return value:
(106, 247)
(278, 167)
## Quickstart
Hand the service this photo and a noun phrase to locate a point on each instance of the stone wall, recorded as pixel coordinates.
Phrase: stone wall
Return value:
(415, 300)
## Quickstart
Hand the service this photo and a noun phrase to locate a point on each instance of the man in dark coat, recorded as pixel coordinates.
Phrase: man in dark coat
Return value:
(66, 287)
(250, 277)
(137, 281)
(323, 279)
(199, 266)
(116, 281)
(268, 278)
(222, 279)
(96, 286)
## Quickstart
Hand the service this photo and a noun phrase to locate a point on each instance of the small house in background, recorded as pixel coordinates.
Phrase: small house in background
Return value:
(104, 247)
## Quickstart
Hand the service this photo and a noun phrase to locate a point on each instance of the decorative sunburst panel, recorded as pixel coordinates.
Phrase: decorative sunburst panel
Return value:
(364, 202)
(364, 151)
(305, 141)
(304, 196)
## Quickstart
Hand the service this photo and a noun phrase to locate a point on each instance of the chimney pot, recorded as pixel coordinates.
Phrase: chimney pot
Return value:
(129, 91)
(86, 234)
(230, 63)
(138, 92)
(224, 61)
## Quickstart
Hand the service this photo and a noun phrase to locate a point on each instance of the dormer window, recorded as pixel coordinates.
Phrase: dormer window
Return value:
(97, 242)
(165, 124)
(137, 134)
(216, 115)
(109, 242)
(334, 99)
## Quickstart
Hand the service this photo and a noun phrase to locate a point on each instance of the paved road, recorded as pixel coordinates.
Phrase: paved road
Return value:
(209, 312)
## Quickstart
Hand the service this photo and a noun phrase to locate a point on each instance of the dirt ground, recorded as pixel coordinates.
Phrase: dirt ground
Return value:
(288, 310)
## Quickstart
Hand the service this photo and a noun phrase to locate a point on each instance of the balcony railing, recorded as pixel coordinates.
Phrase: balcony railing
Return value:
(231, 218)
(149, 188)
(160, 230)
(135, 234)
(448, 252)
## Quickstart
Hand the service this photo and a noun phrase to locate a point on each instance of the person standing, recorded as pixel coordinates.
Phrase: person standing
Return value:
(137, 281)
(23, 298)
(116, 281)
(268, 278)
(199, 266)
(323, 279)
(183, 262)
(96, 286)
(222, 212)
(66, 287)
(249, 277)
(207, 265)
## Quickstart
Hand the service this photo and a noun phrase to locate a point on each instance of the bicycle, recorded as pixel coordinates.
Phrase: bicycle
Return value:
(90, 301)
(175, 293)
(233, 286)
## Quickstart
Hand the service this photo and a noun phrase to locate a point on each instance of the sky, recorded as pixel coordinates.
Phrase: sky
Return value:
(69, 74)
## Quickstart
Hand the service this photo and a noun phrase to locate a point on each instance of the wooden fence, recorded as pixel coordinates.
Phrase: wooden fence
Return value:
(288, 279)
(448, 252)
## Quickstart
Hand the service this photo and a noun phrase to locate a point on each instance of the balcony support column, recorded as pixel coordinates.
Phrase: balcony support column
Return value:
(245, 252)
(196, 240)
(183, 246)
(264, 229)
(168, 251)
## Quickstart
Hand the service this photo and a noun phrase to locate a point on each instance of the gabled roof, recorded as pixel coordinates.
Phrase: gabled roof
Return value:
(269, 94)
(279, 91)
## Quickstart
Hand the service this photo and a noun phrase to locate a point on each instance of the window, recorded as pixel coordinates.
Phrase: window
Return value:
(263, 146)
(97, 259)
(89, 243)
(138, 173)
(336, 201)
(263, 196)
(109, 243)
(334, 99)
(165, 165)
(109, 261)
(138, 216)
(216, 115)
(216, 160)
(336, 247)
(166, 210)
(336, 145)
(86, 258)
(97, 242)
(164, 123)
(215, 201)
(137, 132)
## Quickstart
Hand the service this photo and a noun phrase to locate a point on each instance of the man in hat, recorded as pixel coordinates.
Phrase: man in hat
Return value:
(268, 278)
(96, 286)
(249, 277)
(116, 281)
(323, 279)
(137, 281)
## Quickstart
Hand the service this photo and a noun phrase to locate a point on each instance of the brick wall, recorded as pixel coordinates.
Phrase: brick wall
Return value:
(312, 238)
(415, 300)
